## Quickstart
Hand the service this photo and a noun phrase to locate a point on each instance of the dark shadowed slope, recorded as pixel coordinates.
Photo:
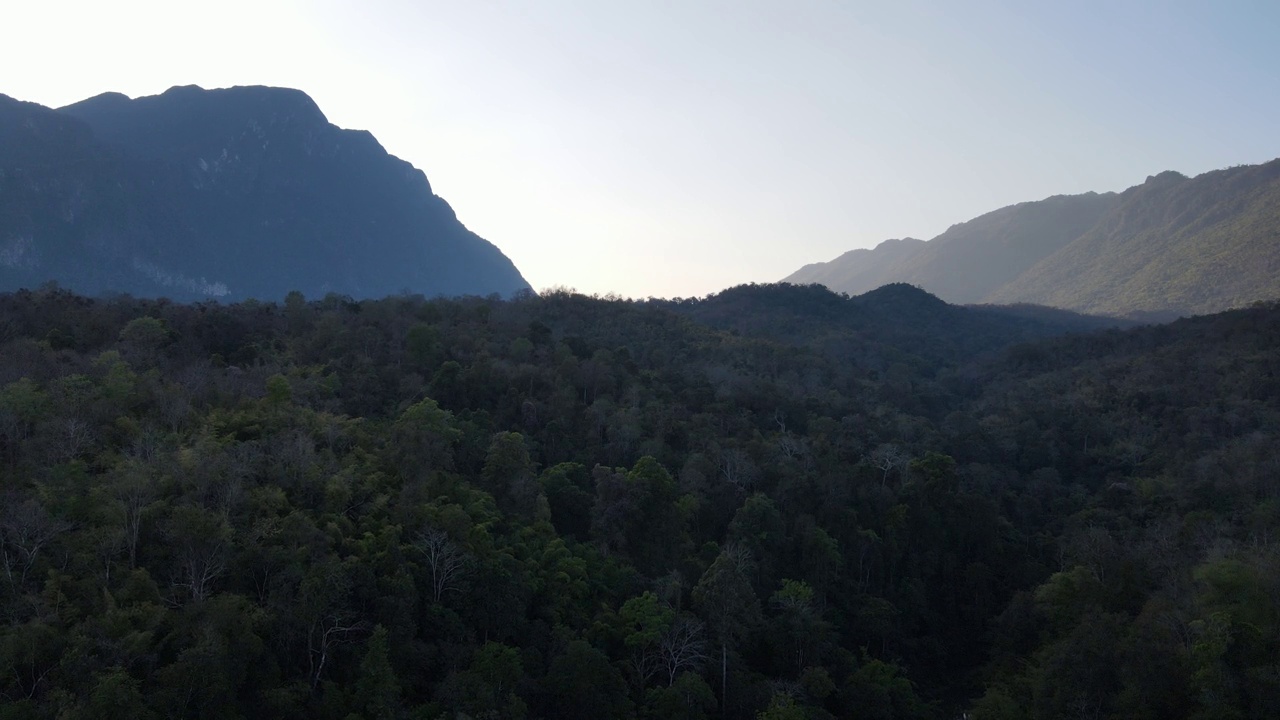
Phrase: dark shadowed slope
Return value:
(894, 323)
(243, 192)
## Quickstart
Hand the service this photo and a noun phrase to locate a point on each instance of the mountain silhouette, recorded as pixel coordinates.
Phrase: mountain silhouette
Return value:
(246, 192)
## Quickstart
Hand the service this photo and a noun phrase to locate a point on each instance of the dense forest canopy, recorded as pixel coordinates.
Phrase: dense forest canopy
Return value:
(776, 502)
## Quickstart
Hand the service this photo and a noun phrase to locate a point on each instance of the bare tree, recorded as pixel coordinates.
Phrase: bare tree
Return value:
(25, 529)
(77, 437)
(201, 543)
(107, 543)
(645, 663)
(174, 405)
(322, 614)
(1095, 549)
(135, 493)
(147, 445)
(329, 632)
(791, 447)
(739, 556)
(795, 449)
(446, 561)
(886, 458)
(868, 541)
(682, 647)
(200, 566)
(737, 469)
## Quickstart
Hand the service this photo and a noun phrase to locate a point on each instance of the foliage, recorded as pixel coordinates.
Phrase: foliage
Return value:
(565, 506)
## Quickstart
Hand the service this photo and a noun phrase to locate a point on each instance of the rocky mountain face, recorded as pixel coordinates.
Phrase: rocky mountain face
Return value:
(1172, 245)
(246, 192)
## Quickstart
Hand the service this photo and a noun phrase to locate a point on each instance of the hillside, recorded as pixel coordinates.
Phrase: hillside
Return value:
(228, 194)
(569, 507)
(1173, 245)
(1186, 245)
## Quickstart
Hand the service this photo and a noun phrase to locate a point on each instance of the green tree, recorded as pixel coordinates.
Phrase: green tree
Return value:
(800, 619)
(725, 599)
(566, 486)
(509, 475)
(377, 691)
(116, 695)
(422, 439)
(142, 338)
(646, 620)
(688, 698)
(582, 684)
(487, 688)
(782, 707)
(879, 690)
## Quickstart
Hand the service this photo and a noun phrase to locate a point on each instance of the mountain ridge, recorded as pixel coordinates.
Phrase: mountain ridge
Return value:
(1169, 246)
(1152, 248)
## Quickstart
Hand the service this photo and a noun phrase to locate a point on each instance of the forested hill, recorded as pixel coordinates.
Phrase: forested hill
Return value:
(229, 194)
(571, 507)
(1171, 246)
(893, 323)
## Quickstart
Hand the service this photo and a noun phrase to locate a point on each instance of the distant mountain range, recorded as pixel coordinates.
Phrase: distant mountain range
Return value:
(1171, 246)
(247, 192)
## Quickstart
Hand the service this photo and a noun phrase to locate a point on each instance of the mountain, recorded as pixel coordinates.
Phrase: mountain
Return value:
(1172, 245)
(1190, 245)
(247, 192)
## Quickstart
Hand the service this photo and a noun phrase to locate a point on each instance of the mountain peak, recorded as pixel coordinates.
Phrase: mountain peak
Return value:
(902, 291)
(110, 98)
(1166, 177)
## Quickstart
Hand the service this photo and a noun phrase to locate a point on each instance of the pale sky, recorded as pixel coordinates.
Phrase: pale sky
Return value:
(663, 148)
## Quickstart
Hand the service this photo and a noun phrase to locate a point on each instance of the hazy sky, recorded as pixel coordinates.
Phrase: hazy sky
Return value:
(661, 148)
